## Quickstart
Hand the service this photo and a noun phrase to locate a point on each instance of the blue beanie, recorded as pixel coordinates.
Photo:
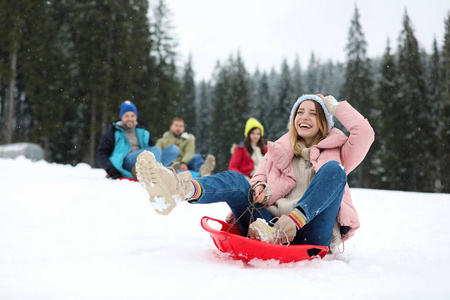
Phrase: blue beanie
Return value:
(127, 106)
(318, 100)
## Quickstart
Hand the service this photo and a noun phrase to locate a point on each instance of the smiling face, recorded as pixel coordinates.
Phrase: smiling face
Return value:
(305, 122)
(129, 119)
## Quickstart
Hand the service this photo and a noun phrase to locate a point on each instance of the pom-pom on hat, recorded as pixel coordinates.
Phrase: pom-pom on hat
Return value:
(318, 100)
(253, 123)
(127, 106)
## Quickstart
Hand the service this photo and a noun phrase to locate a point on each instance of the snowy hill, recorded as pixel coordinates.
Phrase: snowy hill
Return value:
(68, 233)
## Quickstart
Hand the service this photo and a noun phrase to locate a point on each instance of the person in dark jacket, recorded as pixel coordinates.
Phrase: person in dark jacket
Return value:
(124, 141)
(249, 153)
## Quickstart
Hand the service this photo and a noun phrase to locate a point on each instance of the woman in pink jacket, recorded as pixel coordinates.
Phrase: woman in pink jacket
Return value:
(301, 181)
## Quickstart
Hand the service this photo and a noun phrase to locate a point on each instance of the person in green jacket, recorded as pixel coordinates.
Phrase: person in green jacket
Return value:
(185, 143)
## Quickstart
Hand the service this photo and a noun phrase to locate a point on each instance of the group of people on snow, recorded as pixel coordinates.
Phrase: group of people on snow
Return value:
(298, 184)
(124, 140)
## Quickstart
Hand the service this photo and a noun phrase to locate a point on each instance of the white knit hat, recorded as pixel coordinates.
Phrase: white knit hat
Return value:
(318, 100)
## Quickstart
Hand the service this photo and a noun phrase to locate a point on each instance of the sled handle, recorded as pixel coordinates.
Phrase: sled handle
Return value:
(205, 225)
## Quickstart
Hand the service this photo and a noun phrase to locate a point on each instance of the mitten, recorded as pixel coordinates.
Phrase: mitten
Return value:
(113, 173)
(331, 104)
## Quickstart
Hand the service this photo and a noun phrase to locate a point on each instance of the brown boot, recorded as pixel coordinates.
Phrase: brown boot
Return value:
(176, 166)
(166, 188)
(133, 171)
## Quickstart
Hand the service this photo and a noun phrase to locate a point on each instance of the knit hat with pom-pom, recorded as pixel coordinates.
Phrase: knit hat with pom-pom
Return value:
(127, 106)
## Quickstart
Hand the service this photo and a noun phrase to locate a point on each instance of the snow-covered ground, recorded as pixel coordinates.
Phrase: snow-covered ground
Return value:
(68, 233)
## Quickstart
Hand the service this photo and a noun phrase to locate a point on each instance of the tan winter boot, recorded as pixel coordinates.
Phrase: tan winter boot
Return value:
(166, 188)
(133, 171)
(208, 166)
(283, 231)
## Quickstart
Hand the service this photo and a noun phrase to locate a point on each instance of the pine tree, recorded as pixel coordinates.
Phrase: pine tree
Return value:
(221, 132)
(241, 97)
(357, 88)
(231, 103)
(265, 103)
(312, 76)
(391, 130)
(444, 113)
(297, 78)
(165, 101)
(285, 98)
(255, 80)
(434, 78)
(204, 118)
(48, 83)
(331, 78)
(188, 105)
(434, 85)
(15, 16)
(418, 140)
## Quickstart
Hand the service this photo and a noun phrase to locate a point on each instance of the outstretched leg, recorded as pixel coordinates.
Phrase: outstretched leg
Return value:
(167, 189)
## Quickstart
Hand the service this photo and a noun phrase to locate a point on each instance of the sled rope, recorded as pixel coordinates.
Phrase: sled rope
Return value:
(251, 209)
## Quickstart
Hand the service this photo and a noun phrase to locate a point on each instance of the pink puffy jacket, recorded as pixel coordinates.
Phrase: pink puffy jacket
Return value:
(277, 171)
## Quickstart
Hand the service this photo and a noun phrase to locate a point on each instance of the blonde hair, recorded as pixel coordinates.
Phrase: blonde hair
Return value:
(297, 142)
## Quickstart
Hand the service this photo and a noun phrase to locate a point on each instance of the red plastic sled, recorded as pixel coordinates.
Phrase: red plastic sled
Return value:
(246, 249)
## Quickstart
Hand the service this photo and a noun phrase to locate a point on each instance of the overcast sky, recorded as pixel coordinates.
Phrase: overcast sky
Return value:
(266, 31)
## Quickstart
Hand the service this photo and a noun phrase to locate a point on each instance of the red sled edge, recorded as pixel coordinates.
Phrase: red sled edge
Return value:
(129, 179)
(123, 178)
(246, 249)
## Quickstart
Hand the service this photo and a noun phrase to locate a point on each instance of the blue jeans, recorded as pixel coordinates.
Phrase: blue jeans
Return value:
(166, 156)
(320, 202)
(196, 162)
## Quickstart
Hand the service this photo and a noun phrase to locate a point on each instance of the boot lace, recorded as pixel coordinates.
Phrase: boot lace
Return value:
(181, 183)
(279, 234)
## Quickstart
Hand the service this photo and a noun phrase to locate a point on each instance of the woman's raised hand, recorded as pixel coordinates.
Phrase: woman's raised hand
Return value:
(331, 103)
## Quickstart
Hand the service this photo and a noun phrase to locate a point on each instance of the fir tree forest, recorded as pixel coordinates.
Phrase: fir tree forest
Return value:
(65, 67)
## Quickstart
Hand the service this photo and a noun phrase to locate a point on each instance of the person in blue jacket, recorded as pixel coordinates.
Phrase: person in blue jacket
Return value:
(124, 141)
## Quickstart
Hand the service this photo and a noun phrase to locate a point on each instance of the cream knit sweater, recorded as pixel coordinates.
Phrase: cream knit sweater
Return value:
(304, 172)
(256, 156)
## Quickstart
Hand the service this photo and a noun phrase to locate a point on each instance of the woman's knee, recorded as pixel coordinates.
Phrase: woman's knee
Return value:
(335, 170)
